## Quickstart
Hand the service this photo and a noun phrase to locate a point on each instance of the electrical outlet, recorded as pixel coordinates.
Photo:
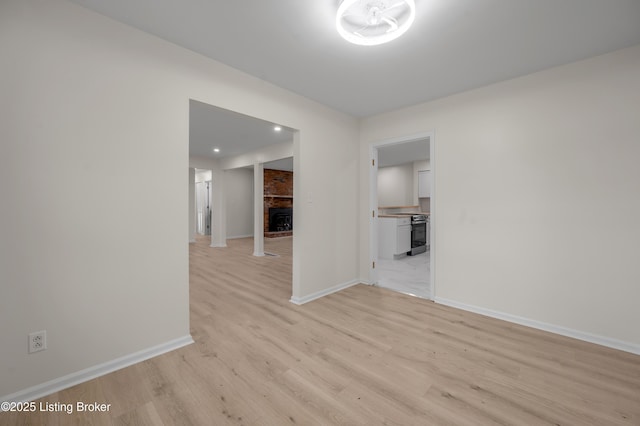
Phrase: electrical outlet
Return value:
(37, 341)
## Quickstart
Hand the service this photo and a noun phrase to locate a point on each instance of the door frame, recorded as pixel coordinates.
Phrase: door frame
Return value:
(373, 203)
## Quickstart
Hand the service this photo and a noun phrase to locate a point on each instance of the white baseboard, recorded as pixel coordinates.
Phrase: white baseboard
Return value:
(81, 376)
(235, 237)
(218, 245)
(322, 293)
(192, 241)
(556, 329)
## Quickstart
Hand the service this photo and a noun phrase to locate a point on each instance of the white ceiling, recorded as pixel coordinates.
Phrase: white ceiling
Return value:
(403, 153)
(454, 45)
(233, 133)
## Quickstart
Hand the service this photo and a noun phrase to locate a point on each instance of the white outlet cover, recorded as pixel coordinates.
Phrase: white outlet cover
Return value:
(37, 341)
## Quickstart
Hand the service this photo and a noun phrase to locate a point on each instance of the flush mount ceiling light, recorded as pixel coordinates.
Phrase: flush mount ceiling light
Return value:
(277, 128)
(372, 22)
(216, 150)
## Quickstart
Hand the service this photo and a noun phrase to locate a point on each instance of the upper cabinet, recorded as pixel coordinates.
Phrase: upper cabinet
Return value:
(424, 184)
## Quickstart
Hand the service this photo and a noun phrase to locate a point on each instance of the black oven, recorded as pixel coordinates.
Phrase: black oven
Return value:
(419, 242)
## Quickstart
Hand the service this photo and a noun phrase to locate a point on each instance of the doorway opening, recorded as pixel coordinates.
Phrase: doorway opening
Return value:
(402, 220)
(228, 154)
(203, 201)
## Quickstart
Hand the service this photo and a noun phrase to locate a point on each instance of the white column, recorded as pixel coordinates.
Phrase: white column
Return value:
(258, 209)
(219, 210)
(192, 205)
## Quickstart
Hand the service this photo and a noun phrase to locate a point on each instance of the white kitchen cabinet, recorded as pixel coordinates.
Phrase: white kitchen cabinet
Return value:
(394, 236)
(403, 239)
(424, 184)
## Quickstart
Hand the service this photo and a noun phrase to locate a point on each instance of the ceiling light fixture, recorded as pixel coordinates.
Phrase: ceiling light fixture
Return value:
(373, 22)
(216, 149)
(277, 128)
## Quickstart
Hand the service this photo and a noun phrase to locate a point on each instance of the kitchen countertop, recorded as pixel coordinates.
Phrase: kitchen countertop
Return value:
(402, 215)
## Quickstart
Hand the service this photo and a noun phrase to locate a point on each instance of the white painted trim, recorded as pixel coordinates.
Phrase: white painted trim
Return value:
(258, 209)
(556, 329)
(402, 139)
(322, 293)
(235, 237)
(373, 201)
(373, 219)
(81, 376)
(432, 216)
(192, 241)
(219, 209)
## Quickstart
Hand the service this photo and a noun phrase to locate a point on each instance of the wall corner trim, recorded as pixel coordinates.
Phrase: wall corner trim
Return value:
(556, 329)
(322, 293)
(87, 374)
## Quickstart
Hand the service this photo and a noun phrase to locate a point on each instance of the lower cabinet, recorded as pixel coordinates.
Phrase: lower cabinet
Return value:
(394, 236)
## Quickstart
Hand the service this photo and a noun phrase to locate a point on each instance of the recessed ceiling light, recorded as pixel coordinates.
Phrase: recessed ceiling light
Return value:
(372, 22)
(216, 149)
(277, 128)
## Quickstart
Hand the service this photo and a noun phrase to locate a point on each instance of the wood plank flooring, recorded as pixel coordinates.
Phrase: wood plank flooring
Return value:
(364, 356)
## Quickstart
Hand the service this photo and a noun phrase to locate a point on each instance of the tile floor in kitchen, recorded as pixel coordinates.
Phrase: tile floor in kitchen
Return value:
(409, 275)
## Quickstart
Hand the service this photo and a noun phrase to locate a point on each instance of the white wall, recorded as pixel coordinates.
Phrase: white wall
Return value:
(204, 164)
(239, 200)
(421, 165)
(203, 175)
(261, 155)
(537, 201)
(102, 264)
(212, 171)
(395, 185)
(398, 185)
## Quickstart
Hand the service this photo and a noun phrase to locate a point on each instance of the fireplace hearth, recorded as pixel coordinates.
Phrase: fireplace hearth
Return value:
(280, 219)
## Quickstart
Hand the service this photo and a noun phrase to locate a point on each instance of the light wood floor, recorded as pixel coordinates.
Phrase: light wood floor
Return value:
(364, 356)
